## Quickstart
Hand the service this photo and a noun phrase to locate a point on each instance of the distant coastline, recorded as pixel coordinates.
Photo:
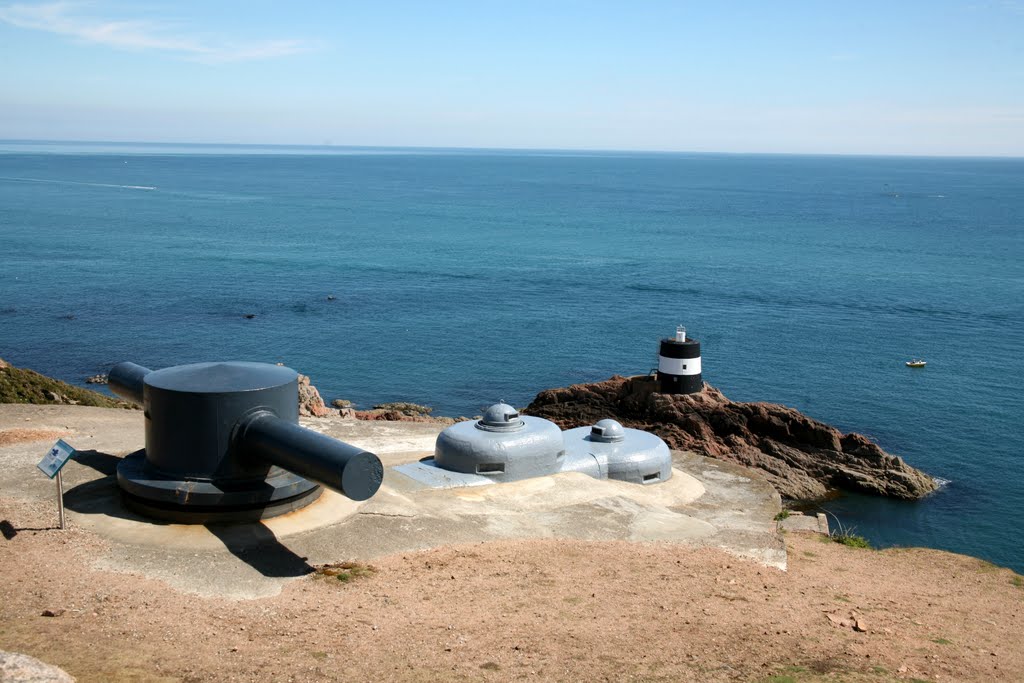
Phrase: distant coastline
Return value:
(299, 149)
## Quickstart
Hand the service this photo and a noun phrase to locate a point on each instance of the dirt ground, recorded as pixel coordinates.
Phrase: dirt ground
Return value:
(13, 436)
(530, 610)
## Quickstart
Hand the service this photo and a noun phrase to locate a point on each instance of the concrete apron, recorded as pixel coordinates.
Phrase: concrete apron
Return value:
(706, 503)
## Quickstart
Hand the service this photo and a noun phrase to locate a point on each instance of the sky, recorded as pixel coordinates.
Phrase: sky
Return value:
(908, 77)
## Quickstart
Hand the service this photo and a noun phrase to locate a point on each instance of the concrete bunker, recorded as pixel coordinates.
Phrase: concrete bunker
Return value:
(503, 445)
(506, 446)
(607, 450)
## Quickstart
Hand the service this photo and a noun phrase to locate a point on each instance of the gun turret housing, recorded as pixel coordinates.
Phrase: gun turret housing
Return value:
(223, 444)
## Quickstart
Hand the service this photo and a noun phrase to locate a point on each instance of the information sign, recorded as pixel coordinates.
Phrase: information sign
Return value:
(55, 458)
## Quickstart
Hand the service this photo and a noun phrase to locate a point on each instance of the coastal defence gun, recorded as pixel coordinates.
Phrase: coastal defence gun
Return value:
(223, 444)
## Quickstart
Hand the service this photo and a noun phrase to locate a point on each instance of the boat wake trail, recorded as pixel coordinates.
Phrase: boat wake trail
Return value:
(78, 182)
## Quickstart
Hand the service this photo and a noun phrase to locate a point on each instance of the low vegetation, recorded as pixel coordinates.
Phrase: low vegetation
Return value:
(18, 385)
(849, 539)
(345, 571)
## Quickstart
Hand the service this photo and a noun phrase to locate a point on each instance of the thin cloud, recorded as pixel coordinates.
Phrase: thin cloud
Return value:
(63, 18)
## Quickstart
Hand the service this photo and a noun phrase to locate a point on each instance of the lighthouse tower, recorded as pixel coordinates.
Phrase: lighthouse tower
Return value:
(679, 365)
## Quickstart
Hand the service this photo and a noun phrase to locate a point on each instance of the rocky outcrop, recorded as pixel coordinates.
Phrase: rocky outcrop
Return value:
(406, 408)
(18, 385)
(398, 416)
(310, 402)
(402, 411)
(19, 668)
(803, 459)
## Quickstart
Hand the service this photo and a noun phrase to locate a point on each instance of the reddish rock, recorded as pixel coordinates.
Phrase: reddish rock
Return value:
(803, 458)
(399, 416)
(310, 402)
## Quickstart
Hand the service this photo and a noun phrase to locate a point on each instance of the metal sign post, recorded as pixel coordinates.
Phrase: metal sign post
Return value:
(60, 499)
(51, 465)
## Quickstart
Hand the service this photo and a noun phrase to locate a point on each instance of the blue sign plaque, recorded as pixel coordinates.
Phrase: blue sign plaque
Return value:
(59, 454)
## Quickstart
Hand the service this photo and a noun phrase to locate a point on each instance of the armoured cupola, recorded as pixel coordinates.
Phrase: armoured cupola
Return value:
(607, 450)
(502, 445)
(607, 431)
(501, 417)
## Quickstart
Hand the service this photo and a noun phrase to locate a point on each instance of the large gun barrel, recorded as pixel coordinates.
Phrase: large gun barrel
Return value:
(127, 381)
(351, 471)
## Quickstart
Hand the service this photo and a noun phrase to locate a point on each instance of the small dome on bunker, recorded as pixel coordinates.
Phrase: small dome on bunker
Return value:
(500, 417)
(607, 430)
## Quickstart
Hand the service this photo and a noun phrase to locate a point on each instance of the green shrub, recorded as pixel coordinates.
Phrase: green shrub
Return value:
(850, 540)
(18, 385)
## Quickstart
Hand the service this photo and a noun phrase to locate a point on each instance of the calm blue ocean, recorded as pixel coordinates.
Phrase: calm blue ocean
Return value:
(462, 278)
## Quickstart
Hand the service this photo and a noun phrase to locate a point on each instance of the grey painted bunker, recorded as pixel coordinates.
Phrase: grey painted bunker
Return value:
(506, 446)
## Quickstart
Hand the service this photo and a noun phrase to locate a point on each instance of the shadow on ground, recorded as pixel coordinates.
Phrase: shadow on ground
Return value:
(252, 543)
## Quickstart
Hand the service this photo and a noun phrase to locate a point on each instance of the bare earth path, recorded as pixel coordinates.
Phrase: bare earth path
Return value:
(478, 606)
(523, 610)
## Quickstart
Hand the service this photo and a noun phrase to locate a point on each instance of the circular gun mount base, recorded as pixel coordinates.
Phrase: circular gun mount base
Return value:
(194, 501)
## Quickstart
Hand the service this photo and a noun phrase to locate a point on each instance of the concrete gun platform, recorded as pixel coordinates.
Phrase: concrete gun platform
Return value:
(707, 502)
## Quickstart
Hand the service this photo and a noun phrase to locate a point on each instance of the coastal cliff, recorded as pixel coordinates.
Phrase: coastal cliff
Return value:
(802, 458)
(19, 385)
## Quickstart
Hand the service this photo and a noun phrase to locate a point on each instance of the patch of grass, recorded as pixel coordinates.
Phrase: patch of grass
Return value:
(1017, 581)
(942, 641)
(18, 385)
(490, 666)
(842, 598)
(848, 538)
(788, 675)
(852, 541)
(782, 514)
(808, 553)
(345, 571)
(845, 535)
(318, 655)
(881, 670)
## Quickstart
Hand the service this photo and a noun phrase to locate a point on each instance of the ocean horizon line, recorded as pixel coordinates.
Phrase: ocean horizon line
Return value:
(299, 149)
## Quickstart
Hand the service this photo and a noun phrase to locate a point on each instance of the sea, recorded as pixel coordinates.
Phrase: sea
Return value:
(457, 278)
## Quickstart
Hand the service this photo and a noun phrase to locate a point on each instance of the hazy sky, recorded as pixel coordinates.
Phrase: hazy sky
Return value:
(853, 77)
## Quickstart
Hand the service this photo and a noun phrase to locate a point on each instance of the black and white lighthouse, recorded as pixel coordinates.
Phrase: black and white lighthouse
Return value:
(679, 365)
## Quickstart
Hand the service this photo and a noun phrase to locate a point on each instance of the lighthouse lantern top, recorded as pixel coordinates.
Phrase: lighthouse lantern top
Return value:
(680, 333)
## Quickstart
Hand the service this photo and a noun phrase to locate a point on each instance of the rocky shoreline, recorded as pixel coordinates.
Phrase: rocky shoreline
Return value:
(804, 459)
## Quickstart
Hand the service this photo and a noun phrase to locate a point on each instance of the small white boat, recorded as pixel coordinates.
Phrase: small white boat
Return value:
(916, 363)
